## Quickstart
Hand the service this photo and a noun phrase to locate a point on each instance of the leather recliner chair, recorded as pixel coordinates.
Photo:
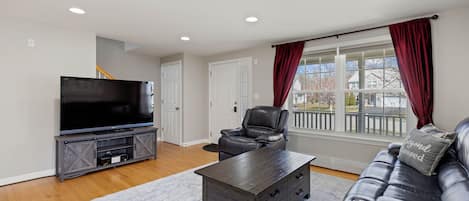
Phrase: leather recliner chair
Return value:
(263, 126)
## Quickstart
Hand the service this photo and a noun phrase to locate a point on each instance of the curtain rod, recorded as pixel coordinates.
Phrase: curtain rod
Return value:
(434, 17)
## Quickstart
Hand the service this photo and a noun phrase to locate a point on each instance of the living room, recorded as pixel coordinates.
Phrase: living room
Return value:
(331, 83)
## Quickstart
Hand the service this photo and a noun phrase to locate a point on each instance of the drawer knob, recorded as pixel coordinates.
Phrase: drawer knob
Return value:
(275, 193)
(299, 176)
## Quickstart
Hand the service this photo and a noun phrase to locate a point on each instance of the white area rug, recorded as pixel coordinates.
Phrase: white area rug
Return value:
(187, 186)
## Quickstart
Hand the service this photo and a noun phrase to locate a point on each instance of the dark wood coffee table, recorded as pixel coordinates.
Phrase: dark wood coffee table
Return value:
(264, 174)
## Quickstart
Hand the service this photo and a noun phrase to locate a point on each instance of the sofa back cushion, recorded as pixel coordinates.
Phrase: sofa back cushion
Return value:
(450, 173)
(453, 174)
(461, 144)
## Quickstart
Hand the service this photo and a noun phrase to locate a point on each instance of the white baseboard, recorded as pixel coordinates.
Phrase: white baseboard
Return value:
(190, 143)
(27, 177)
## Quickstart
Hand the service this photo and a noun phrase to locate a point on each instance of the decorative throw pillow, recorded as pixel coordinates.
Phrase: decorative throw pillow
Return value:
(432, 129)
(423, 151)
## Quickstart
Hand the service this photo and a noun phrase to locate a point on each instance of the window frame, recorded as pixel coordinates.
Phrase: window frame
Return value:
(341, 90)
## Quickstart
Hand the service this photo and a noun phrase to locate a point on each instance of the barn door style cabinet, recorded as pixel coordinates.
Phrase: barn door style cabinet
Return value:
(80, 154)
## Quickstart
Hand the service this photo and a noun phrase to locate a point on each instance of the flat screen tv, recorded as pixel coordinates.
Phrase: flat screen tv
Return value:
(90, 105)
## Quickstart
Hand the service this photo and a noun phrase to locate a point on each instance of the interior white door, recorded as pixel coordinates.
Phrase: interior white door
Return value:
(171, 110)
(229, 91)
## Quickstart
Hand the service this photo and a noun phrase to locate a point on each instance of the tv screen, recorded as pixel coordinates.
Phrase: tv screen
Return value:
(89, 105)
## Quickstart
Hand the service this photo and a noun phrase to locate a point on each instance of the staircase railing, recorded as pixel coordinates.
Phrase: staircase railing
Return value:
(103, 74)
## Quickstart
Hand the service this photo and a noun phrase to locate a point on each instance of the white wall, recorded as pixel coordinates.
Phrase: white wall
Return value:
(112, 56)
(195, 97)
(29, 86)
(450, 35)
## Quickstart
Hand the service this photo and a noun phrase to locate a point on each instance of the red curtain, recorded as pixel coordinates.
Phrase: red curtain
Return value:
(287, 58)
(413, 45)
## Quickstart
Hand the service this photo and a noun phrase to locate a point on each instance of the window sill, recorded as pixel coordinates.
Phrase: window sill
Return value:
(343, 136)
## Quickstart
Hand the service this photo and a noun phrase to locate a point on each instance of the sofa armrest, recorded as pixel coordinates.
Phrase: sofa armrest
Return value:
(394, 148)
(232, 132)
(264, 139)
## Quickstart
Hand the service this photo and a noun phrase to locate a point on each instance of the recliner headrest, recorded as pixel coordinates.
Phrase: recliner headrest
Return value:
(264, 116)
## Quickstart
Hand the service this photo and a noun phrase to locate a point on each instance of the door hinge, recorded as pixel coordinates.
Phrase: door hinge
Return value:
(210, 133)
(210, 73)
(210, 103)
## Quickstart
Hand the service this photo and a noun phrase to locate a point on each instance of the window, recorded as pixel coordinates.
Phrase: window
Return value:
(370, 100)
(314, 92)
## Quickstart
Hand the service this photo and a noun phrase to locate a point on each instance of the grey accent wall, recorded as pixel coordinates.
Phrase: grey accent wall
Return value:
(195, 96)
(30, 92)
(126, 65)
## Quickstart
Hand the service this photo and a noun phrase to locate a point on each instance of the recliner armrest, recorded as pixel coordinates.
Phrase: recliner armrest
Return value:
(269, 138)
(394, 148)
(232, 132)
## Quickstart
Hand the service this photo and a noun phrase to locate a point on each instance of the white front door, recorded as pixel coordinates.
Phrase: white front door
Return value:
(229, 95)
(171, 110)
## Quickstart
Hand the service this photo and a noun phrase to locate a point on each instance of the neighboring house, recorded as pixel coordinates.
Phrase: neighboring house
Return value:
(376, 79)
(299, 98)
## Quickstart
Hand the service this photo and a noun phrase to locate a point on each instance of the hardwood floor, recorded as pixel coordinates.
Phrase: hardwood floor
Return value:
(171, 159)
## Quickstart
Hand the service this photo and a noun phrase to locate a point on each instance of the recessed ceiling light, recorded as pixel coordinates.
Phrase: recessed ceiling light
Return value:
(251, 19)
(185, 38)
(76, 10)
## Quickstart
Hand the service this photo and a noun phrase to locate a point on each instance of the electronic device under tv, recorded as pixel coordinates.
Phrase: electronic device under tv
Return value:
(92, 105)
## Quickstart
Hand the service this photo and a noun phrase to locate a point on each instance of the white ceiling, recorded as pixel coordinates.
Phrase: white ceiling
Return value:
(217, 26)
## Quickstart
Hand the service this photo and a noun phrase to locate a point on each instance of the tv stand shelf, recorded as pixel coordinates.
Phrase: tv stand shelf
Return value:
(111, 148)
(79, 154)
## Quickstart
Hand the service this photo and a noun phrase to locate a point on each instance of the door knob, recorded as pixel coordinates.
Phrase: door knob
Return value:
(177, 108)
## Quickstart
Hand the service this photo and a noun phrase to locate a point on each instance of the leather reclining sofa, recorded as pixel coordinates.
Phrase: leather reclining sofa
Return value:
(388, 179)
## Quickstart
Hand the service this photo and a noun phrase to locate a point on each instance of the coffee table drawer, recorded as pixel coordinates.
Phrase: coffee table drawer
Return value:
(299, 184)
(299, 192)
(277, 192)
(299, 176)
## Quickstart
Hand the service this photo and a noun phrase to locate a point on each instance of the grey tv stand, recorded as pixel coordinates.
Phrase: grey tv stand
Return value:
(77, 155)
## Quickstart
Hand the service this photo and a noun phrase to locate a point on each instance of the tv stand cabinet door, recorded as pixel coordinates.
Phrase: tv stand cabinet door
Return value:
(145, 145)
(79, 156)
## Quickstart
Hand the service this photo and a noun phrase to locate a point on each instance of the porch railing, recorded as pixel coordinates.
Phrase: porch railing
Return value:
(376, 124)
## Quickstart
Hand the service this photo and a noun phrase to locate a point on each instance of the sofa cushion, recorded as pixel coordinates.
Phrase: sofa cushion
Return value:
(255, 131)
(235, 145)
(457, 192)
(451, 173)
(410, 179)
(423, 151)
(378, 170)
(366, 189)
(383, 198)
(404, 194)
(385, 157)
(462, 142)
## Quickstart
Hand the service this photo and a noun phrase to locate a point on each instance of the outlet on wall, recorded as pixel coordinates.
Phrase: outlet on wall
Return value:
(31, 42)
